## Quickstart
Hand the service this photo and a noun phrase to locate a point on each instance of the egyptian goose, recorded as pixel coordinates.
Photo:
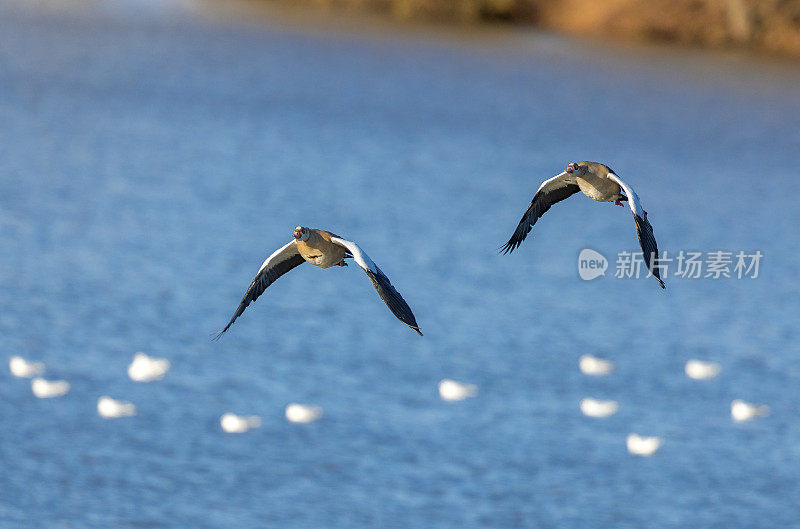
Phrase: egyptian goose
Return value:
(600, 183)
(323, 249)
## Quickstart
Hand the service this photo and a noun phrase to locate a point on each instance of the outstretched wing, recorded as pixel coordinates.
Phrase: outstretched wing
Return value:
(385, 289)
(551, 191)
(643, 229)
(277, 264)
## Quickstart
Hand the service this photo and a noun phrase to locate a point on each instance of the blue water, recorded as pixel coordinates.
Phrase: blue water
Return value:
(150, 159)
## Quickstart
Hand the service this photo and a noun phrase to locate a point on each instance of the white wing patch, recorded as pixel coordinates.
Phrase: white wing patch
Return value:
(560, 179)
(382, 285)
(277, 254)
(643, 230)
(633, 198)
(277, 264)
(359, 255)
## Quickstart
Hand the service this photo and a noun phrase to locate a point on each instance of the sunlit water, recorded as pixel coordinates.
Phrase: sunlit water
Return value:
(150, 160)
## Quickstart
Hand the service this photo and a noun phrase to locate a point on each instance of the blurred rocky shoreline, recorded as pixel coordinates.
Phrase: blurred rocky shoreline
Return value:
(771, 26)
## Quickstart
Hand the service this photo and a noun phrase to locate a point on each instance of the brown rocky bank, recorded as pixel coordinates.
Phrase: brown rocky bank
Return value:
(763, 25)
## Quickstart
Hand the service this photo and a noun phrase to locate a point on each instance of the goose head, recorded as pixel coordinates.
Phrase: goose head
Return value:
(577, 169)
(302, 233)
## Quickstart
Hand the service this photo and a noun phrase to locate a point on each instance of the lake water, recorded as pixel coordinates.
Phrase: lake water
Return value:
(150, 158)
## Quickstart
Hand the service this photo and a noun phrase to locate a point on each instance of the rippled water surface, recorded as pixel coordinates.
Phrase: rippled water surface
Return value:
(150, 159)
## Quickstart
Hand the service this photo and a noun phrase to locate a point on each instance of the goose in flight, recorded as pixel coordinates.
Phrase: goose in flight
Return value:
(323, 249)
(600, 183)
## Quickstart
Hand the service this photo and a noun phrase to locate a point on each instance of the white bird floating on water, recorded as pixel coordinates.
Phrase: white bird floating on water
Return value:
(21, 368)
(744, 411)
(109, 408)
(45, 389)
(232, 423)
(451, 391)
(302, 413)
(643, 446)
(591, 365)
(699, 370)
(146, 368)
(599, 408)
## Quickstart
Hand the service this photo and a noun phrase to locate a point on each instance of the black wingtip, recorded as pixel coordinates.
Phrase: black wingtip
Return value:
(660, 282)
(393, 299)
(507, 248)
(215, 336)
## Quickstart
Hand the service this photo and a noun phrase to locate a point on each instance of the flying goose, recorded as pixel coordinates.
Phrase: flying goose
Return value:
(323, 249)
(600, 183)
